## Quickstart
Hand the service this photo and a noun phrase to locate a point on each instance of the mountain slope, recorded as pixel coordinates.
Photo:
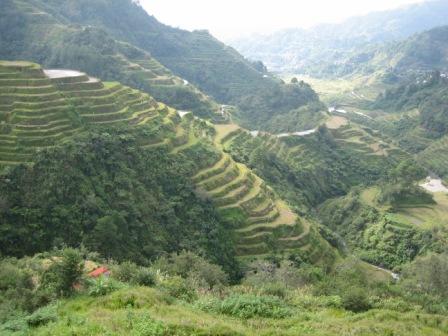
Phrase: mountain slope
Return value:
(213, 67)
(45, 38)
(418, 54)
(43, 109)
(304, 51)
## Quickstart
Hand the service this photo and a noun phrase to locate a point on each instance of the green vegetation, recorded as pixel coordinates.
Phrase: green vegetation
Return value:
(120, 215)
(104, 192)
(308, 170)
(428, 96)
(377, 235)
(42, 39)
(262, 222)
(84, 35)
(104, 217)
(286, 298)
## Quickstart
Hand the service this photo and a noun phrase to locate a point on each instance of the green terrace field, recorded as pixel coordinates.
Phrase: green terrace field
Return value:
(43, 108)
(424, 216)
(94, 51)
(265, 222)
(150, 56)
(351, 91)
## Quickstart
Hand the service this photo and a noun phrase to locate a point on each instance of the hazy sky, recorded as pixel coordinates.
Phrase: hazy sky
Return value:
(232, 18)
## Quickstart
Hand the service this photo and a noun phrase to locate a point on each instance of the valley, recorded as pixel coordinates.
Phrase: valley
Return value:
(155, 181)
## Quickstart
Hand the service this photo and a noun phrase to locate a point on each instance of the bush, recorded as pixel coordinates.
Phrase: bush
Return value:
(247, 306)
(131, 273)
(145, 326)
(12, 276)
(43, 316)
(274, 289)
(311, 302)
(190, 265)
(102, 286)
(178, 288)
(393, 303)
(11, 327)
(124, 271)
(144, 277)
(64, 272)
(355, 300)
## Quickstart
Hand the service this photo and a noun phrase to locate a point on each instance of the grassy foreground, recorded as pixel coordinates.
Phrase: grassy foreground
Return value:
(149, 311)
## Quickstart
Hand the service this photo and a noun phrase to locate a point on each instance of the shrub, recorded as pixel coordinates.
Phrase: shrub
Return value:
(397, 304)
(144, 277)
(14, 325)
(133, 274)
(277, 289)
(427, 275)
(13, 277)
(178, 288)
(64, 273)
(125, 271)
(43, 316)
(190, 265)
(310, 301)
(102, 286)
(247, 306)
(355, 300)
(145, 326)
(136, 297)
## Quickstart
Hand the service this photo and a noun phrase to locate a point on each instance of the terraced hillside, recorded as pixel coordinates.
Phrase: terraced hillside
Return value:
(84, 35)
(42, 108)
(47, 41)
(265, 222)
(311, 168)
(366, 142)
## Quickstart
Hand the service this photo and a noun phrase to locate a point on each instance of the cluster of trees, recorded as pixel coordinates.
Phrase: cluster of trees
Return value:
(104, 192)
(401, 185)
(429, 95)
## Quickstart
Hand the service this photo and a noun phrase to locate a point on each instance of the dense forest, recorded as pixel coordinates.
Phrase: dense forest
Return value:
(103, 192)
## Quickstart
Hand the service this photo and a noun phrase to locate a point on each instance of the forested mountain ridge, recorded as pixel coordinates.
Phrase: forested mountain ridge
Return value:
(213, 67)
(304, 51)
(42, 110)
(416, 55)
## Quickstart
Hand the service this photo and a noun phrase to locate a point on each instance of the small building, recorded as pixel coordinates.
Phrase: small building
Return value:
(99, 271)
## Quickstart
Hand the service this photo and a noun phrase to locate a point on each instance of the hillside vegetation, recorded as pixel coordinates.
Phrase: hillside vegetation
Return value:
(394, 61)
(43, 110)
(118, 40)
(43, 38)
(341, 48)
(186, 295)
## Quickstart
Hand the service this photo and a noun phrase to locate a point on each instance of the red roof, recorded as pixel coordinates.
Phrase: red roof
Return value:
(99, 271)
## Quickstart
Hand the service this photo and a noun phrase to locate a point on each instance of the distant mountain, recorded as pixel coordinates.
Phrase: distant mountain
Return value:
(59, 33)
(304, 51)
(422, 52)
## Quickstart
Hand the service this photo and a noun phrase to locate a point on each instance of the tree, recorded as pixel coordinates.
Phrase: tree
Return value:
(428, 275)
(294, 80)
(64, 272)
